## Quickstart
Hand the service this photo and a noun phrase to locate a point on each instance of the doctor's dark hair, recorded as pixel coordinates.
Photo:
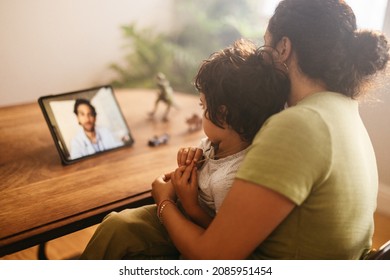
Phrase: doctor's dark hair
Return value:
(81, 101)
(328, 45)
(243, 87)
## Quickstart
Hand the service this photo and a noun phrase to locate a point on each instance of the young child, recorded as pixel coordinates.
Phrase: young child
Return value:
(240, 88)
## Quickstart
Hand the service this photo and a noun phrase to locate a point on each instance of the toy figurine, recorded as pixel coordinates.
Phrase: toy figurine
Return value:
(194, 123)
(165, 94)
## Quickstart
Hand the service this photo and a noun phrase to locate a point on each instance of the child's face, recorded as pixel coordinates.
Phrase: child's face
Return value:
(213, 132)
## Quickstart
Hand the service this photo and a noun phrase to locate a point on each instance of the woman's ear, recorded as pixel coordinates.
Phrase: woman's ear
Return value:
(284, 49)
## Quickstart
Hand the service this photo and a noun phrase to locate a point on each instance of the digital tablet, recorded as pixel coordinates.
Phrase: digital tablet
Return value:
(85, 123)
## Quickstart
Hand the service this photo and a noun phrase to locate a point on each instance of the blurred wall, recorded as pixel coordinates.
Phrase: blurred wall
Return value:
(57, 46)
(376, 117)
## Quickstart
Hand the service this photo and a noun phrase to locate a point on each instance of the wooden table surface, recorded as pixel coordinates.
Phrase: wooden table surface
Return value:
(40, 199)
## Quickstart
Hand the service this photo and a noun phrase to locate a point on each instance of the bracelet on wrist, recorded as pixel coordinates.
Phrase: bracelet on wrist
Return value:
(161, 206)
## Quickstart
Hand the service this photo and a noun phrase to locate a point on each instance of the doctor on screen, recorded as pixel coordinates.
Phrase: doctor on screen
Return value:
(90, 139)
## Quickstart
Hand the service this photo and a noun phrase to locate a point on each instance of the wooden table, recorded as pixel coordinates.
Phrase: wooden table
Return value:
(40, 199)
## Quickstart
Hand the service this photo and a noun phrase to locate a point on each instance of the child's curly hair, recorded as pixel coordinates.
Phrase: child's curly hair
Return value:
(247, 83)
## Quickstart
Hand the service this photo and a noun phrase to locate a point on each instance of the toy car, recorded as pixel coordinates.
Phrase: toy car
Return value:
(158, 140)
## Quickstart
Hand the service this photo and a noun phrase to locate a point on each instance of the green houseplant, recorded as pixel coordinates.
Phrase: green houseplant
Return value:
(211, 25)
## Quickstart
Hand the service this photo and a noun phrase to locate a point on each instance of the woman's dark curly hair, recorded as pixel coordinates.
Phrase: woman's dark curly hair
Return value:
(247, 83)
(324, 36)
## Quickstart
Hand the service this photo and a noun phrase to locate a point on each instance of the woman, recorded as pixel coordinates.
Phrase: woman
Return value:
(307, 187)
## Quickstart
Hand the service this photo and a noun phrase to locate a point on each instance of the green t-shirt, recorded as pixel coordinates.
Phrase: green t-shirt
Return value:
(319, 155)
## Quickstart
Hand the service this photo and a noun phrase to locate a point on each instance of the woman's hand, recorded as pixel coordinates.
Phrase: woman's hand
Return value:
(162, 190)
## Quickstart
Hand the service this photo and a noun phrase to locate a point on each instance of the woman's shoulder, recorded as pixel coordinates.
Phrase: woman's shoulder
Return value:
(299, 123)
(295, 117)
(313, 111)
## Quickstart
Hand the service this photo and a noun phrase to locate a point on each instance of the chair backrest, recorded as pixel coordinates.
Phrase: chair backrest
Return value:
(382, 254)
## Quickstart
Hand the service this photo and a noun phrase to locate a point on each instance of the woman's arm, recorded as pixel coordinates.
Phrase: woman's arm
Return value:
(249, 213)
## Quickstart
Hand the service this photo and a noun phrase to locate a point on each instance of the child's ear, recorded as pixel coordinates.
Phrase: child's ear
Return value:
(222, 113)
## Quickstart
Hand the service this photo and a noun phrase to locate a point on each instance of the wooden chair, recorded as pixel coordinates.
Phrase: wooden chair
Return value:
(383, 253)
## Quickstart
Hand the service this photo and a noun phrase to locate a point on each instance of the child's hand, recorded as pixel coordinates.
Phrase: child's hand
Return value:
(162, 190)
(167, 176)
(185, 183)
(186, 155)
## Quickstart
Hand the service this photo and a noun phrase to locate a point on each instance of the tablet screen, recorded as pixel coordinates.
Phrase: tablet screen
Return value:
(85, 123)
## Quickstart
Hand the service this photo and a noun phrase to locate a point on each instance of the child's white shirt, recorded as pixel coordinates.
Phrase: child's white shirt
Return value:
(216, 177)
